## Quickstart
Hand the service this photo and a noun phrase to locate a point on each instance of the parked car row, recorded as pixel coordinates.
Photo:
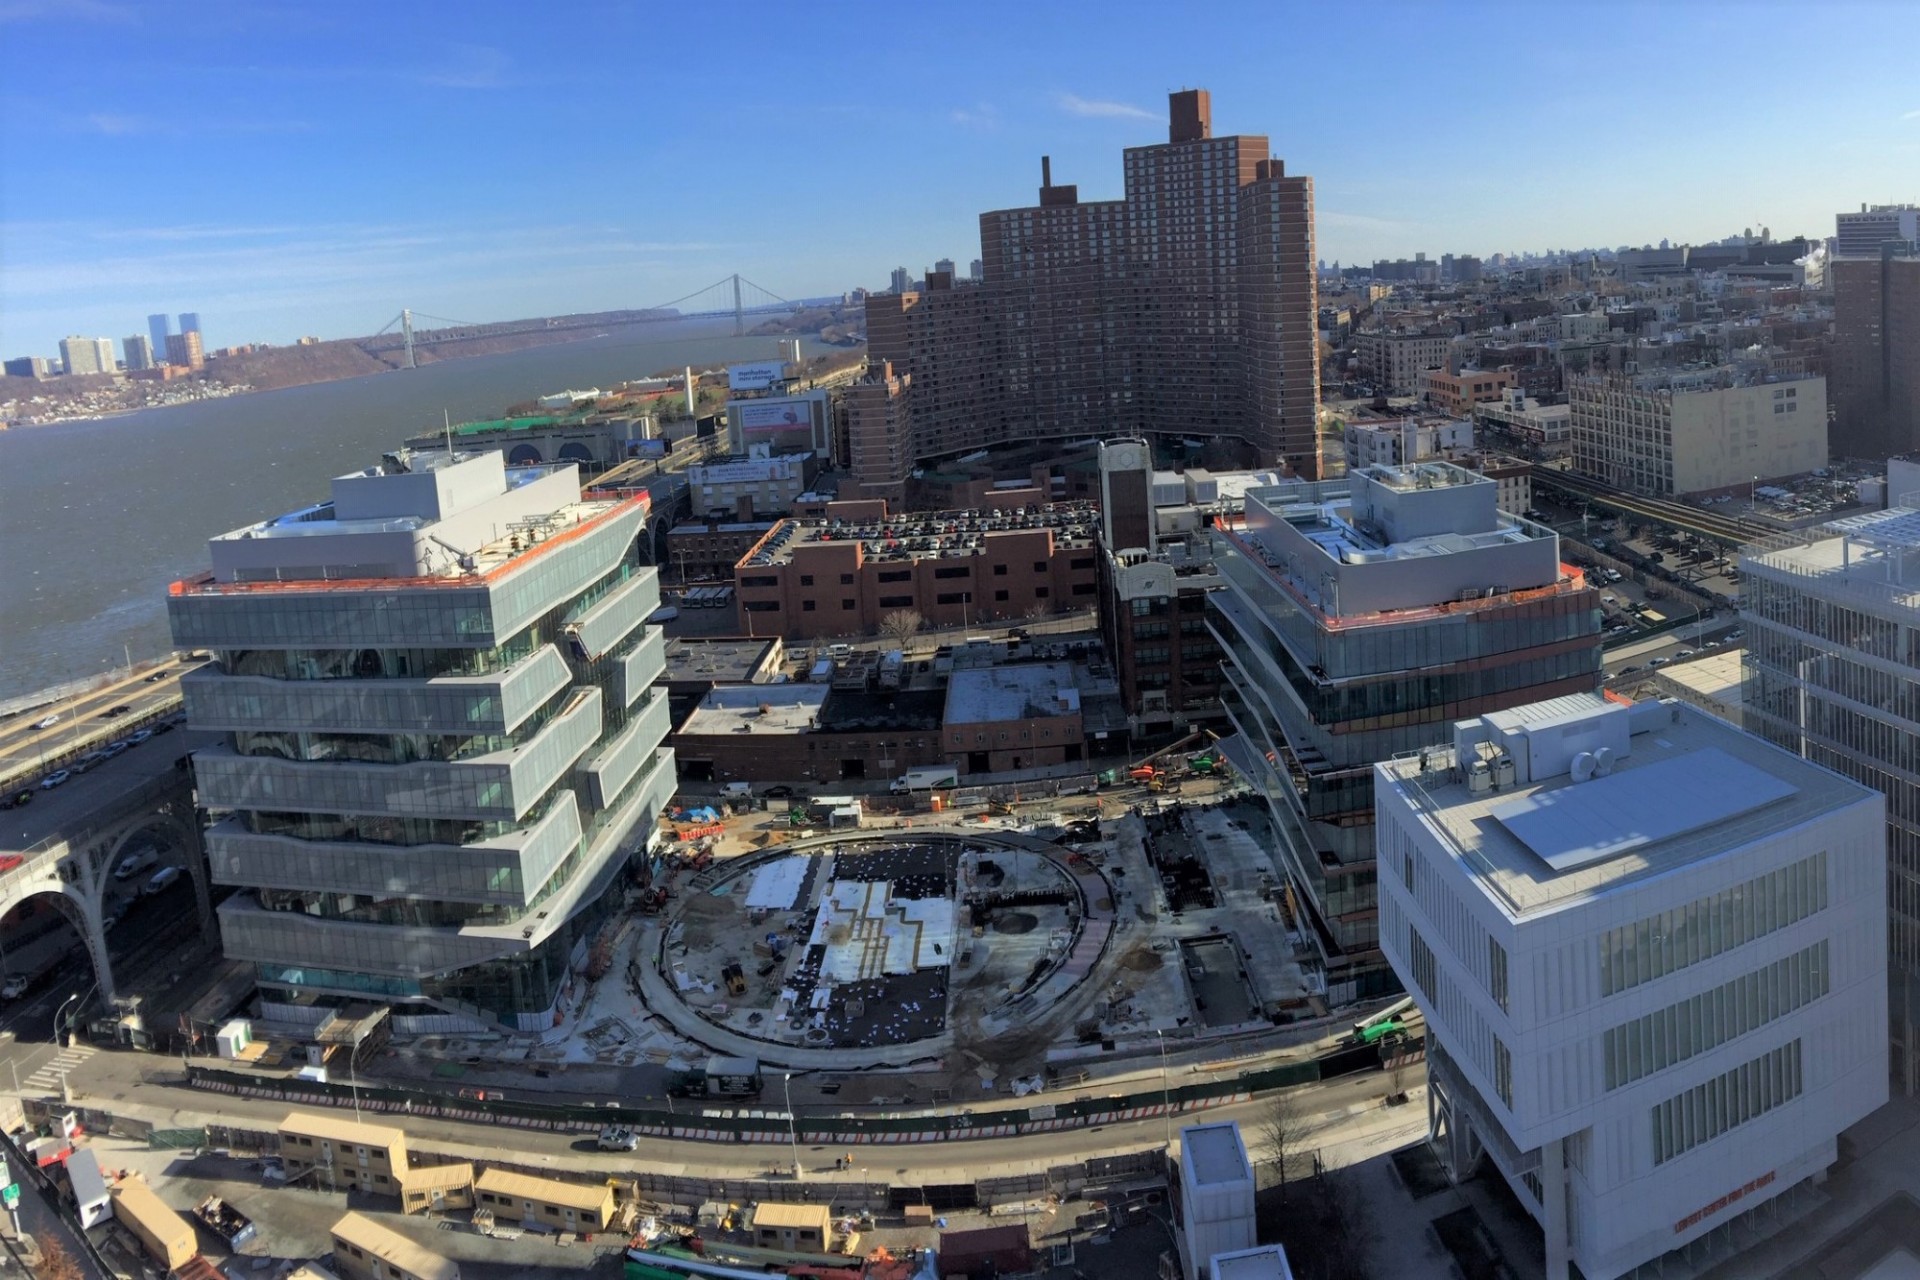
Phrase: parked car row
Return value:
(97, 757)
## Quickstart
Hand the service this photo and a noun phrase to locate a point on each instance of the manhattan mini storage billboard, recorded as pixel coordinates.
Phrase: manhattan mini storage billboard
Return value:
(758, 376)
(758, 417)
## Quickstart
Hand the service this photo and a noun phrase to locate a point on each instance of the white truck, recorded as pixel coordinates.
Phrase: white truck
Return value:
(942, 779)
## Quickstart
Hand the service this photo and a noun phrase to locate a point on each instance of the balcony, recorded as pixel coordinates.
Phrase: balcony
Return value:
(498, 786)
(505, 869)
(609, 770)
(458, 705)
(613, 617)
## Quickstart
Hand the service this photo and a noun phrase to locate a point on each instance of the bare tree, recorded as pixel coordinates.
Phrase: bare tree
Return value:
(1281, 1129)
(900, 625)
(56, 1263)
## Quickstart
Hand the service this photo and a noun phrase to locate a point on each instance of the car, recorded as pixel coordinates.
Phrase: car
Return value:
(120, 710)
(1684, 653)
(134, 863)
(618, 1138)
(1626, 671)
(16, 986)
(165, 726)
(15, 799)
(139, 736)
(1736, 634)
(54, 779)
(779, 791)
(161, 881)
(115, 747)
(157, 677)
(1660, 661)
(89, 760)
(47, 722)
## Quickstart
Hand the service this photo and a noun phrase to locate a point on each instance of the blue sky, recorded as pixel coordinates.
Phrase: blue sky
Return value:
(312, 168)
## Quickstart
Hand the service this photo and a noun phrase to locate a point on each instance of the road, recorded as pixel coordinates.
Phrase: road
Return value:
(28, 752)
(148, 1087)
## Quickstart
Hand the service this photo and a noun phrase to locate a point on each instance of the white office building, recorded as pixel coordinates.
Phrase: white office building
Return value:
(87, 355)
(1675, 433)
(1216, 1196)
(1651, 952)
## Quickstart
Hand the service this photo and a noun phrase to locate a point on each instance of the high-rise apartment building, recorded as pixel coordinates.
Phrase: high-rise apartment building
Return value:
(442, 736)
(139, 351)
(157, 331)
(1648, 952)
(184, 350)
(29, 367)
(87, 355)
(1861, 234)
(190, 322)
(1186, 308)
(1876, 351)
(1680, 432)
(1833, 673)
(1396, 359)
(901, 280)
(1361, 616)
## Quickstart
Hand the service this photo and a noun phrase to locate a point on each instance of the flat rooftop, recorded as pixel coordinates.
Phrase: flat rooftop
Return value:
(930, 535)
(721, 660)
(1214, 1155)
(1690, 788)
(1018, 691)
(758, 708)
(1872, 554)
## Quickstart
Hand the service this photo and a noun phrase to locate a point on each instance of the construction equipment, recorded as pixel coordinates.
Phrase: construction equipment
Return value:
(1145, 770)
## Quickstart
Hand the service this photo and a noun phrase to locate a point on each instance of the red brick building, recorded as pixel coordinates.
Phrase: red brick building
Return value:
(817, 577)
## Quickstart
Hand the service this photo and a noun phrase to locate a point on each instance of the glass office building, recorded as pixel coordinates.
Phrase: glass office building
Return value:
(443, 742)
(1360, 616)
(1832, 672)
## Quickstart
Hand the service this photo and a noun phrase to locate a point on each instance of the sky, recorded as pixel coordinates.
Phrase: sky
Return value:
(289, 169)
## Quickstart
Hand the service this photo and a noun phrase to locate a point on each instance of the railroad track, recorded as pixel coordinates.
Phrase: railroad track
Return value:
(1730, 530)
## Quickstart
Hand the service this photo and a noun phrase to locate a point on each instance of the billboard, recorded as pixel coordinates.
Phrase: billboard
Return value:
(758, 376)
(765, 416)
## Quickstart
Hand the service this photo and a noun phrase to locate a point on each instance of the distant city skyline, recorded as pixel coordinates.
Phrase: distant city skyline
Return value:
(303, 179)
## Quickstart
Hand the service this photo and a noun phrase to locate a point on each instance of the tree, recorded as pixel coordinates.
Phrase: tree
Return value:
(56, 1263)
(1281, 1130)
(900, 625)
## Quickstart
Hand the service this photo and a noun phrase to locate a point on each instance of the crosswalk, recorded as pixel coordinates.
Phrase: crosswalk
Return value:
(47, 1078)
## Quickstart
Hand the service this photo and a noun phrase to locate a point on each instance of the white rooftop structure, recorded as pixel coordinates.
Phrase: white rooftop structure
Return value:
(1019, 691)
(1216, 1194)
(1265, 1262)
(758, 708)
(1651, 952)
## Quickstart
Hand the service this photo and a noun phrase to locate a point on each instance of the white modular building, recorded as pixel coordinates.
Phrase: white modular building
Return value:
(1651, 952)
(1216, 1195)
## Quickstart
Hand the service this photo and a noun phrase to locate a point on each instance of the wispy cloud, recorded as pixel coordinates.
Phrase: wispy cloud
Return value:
(982, 115)
(471, 66)
(115, 124)
(1911, 115)
(1360, 221)
(1092, 108)
(72, 10)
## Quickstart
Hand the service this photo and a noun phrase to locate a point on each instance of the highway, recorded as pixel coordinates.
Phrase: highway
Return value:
(148, 1087)
(28, 752)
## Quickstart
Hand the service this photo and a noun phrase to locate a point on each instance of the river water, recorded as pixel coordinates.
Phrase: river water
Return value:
(96, 518)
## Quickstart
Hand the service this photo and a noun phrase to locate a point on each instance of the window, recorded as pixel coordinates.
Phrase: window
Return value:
(895, 575)
(1705, 1021)
(806, 606)
(1727, 1101)
(1001, 595)
(999, 571)
(1041, 593)
(896, 602)
(846, 579)
(953, 571)
(1080, 562)
(847, 605)
(1663, 944)
(953, 597)
(806, 579)
(1496, 971)
(1039, 566)
(1083, 588)
(1503, 1072)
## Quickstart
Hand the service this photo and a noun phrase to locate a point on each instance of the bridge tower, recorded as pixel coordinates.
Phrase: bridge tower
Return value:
(406, 331)
(739, 317)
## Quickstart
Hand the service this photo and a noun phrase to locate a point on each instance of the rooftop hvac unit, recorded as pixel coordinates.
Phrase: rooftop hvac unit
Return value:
(1479, 777)
(1603, 761)
(1583, 766)
(1503, 771)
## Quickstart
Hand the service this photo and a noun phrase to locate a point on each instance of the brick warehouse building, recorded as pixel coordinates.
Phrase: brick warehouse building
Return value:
(815, 576)
(1188, 307)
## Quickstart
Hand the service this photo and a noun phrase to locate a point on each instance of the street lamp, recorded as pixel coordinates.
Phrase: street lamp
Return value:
(793, 1133)
(62, 1010)
(1166, 1096)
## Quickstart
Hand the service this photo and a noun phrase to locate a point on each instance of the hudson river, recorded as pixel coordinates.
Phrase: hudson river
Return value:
(96, 518)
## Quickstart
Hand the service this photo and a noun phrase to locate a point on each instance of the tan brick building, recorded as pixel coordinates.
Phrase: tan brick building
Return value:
(365, 1250)
(522, 1199)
